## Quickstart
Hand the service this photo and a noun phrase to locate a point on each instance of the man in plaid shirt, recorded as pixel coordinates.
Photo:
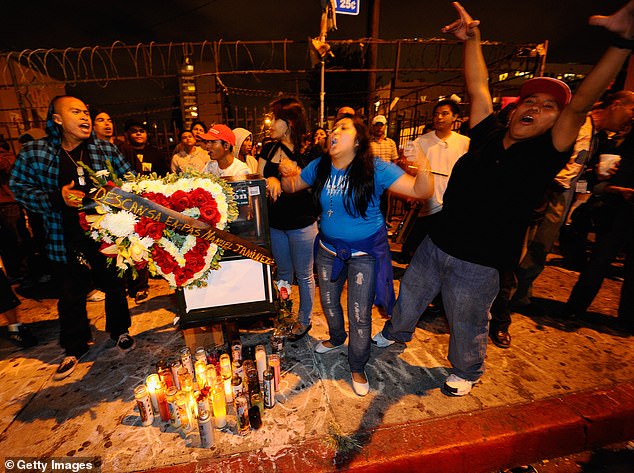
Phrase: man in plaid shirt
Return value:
(48, 179)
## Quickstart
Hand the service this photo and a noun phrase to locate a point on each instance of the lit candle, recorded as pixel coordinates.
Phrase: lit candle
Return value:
(228, 389)
(210, 376)
(274, 363)
(220, 405)
(201, 373)
(161, 400)
(260, 361)
(225, 365)
(152, 382)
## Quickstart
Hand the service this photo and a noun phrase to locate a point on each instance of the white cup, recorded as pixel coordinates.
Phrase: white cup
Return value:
(607, 162)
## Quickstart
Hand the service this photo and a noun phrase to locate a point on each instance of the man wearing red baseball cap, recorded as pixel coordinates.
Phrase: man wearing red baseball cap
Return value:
(219, 142)
(491, 194)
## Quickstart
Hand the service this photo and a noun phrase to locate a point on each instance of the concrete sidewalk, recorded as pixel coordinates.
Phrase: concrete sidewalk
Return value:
(561, 387)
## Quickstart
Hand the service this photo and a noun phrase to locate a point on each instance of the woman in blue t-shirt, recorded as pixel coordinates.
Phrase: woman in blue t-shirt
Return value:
(347, 185)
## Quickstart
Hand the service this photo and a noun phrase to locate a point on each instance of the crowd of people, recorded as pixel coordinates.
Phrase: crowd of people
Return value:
(491, 207)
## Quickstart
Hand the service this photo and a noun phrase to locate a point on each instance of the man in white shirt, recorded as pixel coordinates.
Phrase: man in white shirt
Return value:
(219, 142)
(443, 147)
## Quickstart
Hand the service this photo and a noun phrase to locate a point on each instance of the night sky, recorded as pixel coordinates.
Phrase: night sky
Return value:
(62, 24)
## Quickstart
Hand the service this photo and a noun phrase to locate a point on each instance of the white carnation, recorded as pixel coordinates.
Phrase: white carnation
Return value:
(120, 224)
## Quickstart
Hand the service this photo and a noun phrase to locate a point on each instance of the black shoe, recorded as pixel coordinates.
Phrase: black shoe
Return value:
(125, 342)
(293, 337)
(141, 295)
(66, 367)
(501, 338)
(23, 337)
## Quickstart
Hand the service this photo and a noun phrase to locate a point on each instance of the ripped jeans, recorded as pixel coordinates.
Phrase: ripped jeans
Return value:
(359, 272)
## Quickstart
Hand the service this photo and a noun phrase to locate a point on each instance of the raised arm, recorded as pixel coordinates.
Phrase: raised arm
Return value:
(421, 184)
(597, 81)
(476, 75)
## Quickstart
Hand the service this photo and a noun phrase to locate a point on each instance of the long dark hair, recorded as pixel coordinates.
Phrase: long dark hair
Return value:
(292, 112)
(360, 173)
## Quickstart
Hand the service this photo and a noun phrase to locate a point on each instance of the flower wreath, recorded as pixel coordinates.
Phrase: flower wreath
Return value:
(133, 242)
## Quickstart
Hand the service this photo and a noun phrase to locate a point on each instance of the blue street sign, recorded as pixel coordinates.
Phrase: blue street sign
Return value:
(347, 7)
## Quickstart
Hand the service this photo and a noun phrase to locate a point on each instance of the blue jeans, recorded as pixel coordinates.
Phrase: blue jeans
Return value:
(293, 254)
(468, 291)
(359, 272)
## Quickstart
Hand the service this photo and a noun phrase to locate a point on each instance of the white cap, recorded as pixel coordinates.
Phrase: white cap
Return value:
(379, 119)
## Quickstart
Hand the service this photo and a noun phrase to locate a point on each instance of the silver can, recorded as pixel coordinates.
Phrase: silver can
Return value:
(269, 389)
(206, 430)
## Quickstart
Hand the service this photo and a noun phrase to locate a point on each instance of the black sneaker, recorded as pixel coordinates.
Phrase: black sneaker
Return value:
(141, 295)
(125, 342)
(65, 368)
(23, 337)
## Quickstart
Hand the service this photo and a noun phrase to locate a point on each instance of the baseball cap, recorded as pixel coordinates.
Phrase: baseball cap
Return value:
(220, 132)
(379, 119)
(547, 85)
(134, 123)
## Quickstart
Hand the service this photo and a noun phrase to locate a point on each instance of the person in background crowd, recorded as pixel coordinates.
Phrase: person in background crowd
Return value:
(198, 128)
(509, 170)
(144, 157)
(353, 244)
(14, 244)
(191, 157)
(15, 240)
(292, 217)
(443, 147)
(614, 233)
(219, 142)
(345, 111)
(18, 333)
(103, 127)
(48, 179)
(243, 147)
(317, 146)
(382, 146)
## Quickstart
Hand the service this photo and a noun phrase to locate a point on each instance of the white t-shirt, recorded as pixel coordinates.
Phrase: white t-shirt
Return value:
(237, 168)
(442, 155)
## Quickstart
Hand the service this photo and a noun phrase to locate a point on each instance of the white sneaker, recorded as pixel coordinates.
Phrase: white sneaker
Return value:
(380, 341)
(456, 386)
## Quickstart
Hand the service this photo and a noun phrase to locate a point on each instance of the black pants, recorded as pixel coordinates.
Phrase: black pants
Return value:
(85, 266)
(500, 309)
(614, 233)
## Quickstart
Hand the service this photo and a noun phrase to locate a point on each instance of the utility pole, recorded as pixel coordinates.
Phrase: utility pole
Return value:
(373, 30)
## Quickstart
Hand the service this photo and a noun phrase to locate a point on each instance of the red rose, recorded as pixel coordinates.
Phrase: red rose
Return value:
(180, 201)
(194, 261)
(163, 260)
(200, 197)
(209, 213)
(201, 248)
(148, 227)
(83, 223)
(183, 275)
(283, 293)
(160, 199)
